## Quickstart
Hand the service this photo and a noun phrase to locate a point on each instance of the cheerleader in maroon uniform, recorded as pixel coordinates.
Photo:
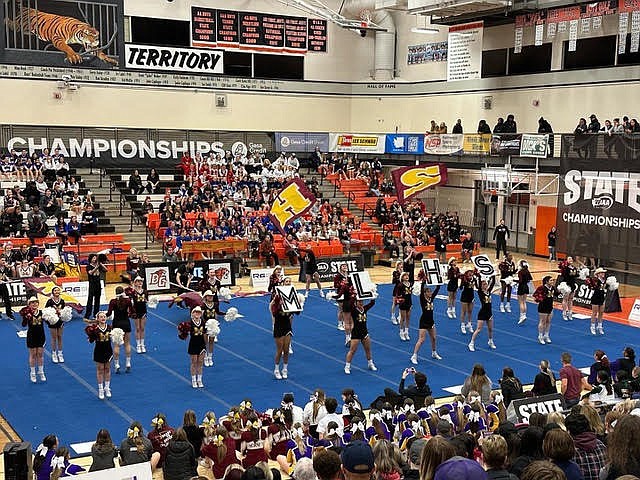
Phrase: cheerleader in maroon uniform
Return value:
(56, 329)
(569, 274)
(344, 290)
(453, 274)
(282, 332)
(599, 286)
(395, 279)
(197, 347)
(99, 333)
(402, 296)
(139, 299)
(122, 309)
(544, 297)
(32, 319)
(253, 445)
(524, 277)
(275, 279)
(467, 285)
(360, 334)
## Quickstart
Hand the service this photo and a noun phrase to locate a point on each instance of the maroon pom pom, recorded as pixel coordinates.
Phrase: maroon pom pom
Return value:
(92, 332)
(184, 328)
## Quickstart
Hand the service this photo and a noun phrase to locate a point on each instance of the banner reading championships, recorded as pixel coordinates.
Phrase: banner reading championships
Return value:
(599, 209)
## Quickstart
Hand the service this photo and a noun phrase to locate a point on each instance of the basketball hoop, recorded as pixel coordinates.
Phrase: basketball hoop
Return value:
(365, 17)
(487, 195)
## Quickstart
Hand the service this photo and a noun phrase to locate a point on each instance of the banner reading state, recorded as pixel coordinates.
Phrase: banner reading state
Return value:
(410, 181)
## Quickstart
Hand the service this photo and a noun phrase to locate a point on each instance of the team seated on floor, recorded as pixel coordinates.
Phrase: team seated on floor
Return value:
(411, 437)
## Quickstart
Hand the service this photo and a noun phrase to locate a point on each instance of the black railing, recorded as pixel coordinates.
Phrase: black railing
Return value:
(350, 196)
(336, 186)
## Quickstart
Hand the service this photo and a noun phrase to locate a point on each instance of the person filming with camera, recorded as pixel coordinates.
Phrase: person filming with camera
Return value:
(418, 391)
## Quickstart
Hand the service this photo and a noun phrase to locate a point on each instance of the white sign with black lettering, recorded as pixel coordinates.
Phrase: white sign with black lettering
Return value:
(363, 285)
(521, 409)
(188, 60)
(484, 265)
(634, 314)
(260, 277)
(432, 271)
(289, 296)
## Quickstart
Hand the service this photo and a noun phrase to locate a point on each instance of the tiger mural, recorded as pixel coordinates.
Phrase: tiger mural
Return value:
(61, 32)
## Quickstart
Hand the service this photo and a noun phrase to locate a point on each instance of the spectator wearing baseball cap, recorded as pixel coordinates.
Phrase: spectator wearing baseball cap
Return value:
(460, 468)
(444, 429)
(357, 461)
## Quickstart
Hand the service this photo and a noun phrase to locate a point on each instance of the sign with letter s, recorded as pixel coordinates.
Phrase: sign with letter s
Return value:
(483, 264)
(521, 409)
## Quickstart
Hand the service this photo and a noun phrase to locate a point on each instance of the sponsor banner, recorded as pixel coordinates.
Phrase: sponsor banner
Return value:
(158, 275)
(443, 144)
(301, 142)
(289, 296)
(55, 33)
(80, 291)
(259, 277)
(328, 267)
(293, 201)
(505, 144)
(356, 143)
(634, 314)
(188, 60)
(534, 145)
(583, 293)
(484, 265)
(465, 51)
(410, 181)
(363, 285)
(18, 294)
(405, 143)
(72, 292)
(521, 409)
(476, 143)
(599, 209)
(433, 271)
(427, 53)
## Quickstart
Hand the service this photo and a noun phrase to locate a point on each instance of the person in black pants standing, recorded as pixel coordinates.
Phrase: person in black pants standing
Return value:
(500, 235)
(95, 269)
(5, 277)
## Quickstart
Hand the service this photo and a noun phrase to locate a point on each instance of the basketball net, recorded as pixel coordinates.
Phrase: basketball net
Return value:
(365, 18)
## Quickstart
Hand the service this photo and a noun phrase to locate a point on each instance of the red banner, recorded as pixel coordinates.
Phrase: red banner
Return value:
(410, 181)
(293, 201)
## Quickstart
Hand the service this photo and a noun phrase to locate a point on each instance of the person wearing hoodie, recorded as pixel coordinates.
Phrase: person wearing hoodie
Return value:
(558, 446)
(494, 453)
(180, 462)
(103, 452)
(591, 453)
(530, 450)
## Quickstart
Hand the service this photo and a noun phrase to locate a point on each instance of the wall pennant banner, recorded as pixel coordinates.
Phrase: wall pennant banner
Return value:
(293, 201)
(410, 181)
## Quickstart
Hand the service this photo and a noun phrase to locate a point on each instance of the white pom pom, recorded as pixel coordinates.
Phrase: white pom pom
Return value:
(508, 280)
(50, 315)
(153, 301)
(66, 313)
(612, 283)
(232, 314)
(374, 290)
(213, 327)
(583, 273)
(563, 288)
(301, 299)
(117, 336)
(224, 294)
(416, 289)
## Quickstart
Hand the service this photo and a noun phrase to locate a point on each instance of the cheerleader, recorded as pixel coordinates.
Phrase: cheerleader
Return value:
(213, 284)
(254, 445)
(569, 274)
(122, 309)
(340, 279)
(32, 319)
(197, 347)
(427, 298)
(507, 269)
(599, 286)
(219, 449)
(344, 290)
(453, 274)
(402, 296)
(100, 334)
(275, 279)
(485, 314)
(395, 280)
(544, 297)
(56, 329)
(467, 285)
(282, 333)
(524, 277)
(139, 299)
(210, 309)
(360, 334)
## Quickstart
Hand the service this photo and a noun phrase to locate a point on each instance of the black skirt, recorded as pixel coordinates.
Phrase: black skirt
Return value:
(57, 325)
(123, 323)
(196, 345)
(426, 321)
(452, 286)
(485, 312)
(467, 295)
(598, 297)
(359, 331)
(282, 325)
(35, 336)
(523, 289)
(102, 352)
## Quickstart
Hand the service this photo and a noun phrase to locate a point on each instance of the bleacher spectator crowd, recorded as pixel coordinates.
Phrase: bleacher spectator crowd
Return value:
(404, 435)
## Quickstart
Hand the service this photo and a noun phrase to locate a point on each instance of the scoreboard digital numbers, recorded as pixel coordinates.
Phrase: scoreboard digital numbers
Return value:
(257, 31)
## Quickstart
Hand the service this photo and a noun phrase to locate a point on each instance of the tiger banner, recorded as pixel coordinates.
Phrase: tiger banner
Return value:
(410, 181)
(293, 201)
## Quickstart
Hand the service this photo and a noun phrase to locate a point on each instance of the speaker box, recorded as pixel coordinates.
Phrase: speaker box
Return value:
(17, 461)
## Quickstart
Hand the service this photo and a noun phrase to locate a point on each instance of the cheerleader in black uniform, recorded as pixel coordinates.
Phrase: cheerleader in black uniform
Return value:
(344, 289)
(467, 285)
(360, 334)
(102, 354)
(524, 277)
(395, 280)
(569, 274)
(453, 274)
(212, 283)
(338, 280)
(485, 314)
(402, 296)
(32, 319)
(282, 333)
(122, 310)
(56, 329)
(197, 347)
(599, 286)
(507, 269)
(544, 297)
(139, 299)
(210, 309)
(427, 299)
